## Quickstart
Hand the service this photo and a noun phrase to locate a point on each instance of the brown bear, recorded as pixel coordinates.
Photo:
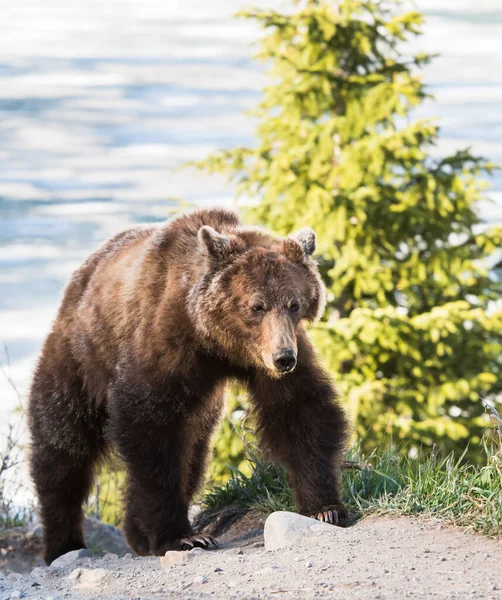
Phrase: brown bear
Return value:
(151, 328)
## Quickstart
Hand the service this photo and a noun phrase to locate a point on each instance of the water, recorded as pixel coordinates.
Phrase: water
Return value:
(100, 100)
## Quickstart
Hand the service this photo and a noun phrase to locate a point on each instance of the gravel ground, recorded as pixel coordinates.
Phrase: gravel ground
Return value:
(377, 558)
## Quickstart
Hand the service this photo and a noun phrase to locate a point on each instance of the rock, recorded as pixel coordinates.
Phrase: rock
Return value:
(283, 528)
(195, 552)
(323, 528)
(103, 538)
(87, 578)
(200, 579)
(173, 557)
(69, 558)
(309, 564)
(16, 594)
(75, 574)
(110, 556)
(100, 538)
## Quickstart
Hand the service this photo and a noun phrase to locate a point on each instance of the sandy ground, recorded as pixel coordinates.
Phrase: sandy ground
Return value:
(377, 558)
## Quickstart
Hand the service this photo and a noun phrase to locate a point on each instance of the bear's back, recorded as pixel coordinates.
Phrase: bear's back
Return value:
(128, 294)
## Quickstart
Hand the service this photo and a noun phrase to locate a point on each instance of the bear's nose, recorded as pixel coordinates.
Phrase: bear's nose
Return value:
(285, 360)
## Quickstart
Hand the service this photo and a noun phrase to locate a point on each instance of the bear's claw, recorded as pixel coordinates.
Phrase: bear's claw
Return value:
(199, 541)
(328, 516)
(336, 514)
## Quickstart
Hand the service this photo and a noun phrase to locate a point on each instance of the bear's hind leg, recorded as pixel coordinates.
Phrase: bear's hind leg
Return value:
(63, 482)
(66, 444)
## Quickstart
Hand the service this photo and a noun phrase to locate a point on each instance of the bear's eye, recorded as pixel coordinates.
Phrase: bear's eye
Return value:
(258, 307)
(294, 306)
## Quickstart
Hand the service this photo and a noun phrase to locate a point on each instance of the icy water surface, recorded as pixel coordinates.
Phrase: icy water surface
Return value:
(99, 100)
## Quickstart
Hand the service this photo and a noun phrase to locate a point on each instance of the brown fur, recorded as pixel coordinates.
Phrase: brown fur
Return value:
(150, 329)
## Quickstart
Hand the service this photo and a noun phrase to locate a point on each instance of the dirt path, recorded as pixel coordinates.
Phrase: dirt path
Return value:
(378, 558)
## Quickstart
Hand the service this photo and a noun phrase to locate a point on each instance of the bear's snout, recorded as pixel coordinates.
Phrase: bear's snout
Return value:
(285, 360)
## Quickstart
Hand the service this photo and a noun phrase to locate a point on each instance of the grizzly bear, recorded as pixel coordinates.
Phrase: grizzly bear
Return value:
(150, 329)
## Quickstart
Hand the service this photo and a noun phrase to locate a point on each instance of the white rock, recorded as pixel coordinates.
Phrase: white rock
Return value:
(87, 578)
(200, 579)
(75, 574)
(173, 557)
(69, 558)
(16, 594)
(283, 528)
(324, 528)
(110, 556)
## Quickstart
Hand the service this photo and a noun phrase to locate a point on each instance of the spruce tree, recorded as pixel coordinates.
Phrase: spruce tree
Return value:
(411, 331)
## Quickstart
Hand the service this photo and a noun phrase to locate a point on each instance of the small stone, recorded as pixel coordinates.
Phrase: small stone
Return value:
(200, 579)
(75, 574)
(127, 556)
(35, 584)
(69, 558)
(258, 545)
(218, 570)
(87, 578)
(196, 552)
(16, 594)
(444, 559)
(309, 564)
(173, 557)
(110, 556)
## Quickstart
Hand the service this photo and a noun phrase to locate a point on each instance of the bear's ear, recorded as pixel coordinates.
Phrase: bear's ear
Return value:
(300, 245)
(214, 244)
(306, 238)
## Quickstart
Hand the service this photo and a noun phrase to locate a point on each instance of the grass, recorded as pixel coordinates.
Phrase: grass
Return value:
(11, 458)
(388, 481)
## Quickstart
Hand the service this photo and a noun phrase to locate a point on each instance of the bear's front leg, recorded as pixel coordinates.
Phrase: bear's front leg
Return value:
(150, 427)
(304, 428)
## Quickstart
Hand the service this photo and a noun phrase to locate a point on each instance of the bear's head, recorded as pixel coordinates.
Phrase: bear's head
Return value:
(252, 294)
